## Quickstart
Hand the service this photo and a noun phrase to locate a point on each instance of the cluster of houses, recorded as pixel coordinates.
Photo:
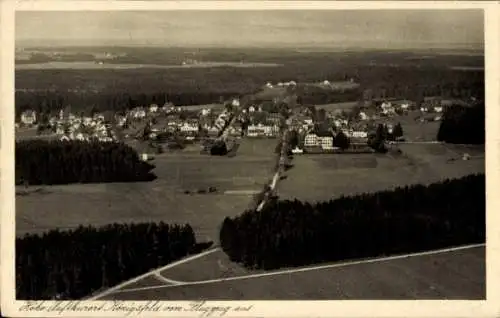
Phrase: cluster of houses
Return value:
(206, 120)
(70, 127)
(429, 106)
(261, 130)
(281, 84)
(28, 118)
(311, 137)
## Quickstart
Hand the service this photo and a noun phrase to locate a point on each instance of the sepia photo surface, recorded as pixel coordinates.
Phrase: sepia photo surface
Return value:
(200, 156)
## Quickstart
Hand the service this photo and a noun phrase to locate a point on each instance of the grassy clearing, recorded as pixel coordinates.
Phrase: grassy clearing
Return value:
(160, 200)
(452, 275)
(414, 130)
(215, 265)
(270, 93)
(325, 177)
(334, 106)
(256, 147)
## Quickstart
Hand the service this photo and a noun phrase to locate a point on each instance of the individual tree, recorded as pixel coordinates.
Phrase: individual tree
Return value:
(341, 141)
(219, 148)
(293, 138)
(377, 141)
(321, 115)
(397, 131)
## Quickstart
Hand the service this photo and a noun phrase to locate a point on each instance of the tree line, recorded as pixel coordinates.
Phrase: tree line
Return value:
(463, 125)
(49, 102)
(404, 220)
(63, 162)
(73, 264)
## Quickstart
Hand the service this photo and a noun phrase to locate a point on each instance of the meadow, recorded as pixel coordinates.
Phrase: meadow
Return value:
(160, 200)
(451, 275)
(323, 177)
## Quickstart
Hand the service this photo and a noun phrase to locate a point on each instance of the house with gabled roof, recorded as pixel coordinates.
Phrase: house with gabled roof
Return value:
(28, 117)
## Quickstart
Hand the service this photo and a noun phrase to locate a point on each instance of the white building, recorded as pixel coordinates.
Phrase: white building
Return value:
(80, 137)
(28, 117)
(87, 121)
(308, 121)
(271, 130)
(153, 108)
(256, 130)
(188, 128)
(106, 139)
(138, 113)
(219, 123)
(386, 105)
(212, 130)
(359, 134)
(311, 140)
(326, 142)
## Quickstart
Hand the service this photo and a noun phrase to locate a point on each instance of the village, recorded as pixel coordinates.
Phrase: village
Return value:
(170, 127)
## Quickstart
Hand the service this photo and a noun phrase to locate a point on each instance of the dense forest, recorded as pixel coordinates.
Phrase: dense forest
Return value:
(463, 125)
(407, 219)
(63, 162)
(110, 89)
(72, 264)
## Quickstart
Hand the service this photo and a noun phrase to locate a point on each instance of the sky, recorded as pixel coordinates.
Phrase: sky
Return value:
(370, 28)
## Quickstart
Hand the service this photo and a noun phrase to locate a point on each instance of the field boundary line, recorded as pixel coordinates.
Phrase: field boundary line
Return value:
(158, 270)
(162, 278)
(312, 268)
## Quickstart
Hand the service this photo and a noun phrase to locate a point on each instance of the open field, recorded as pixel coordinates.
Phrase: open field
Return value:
(200, 107)
(96, 66)
(334, 106)
(31, 133)
(467, 68)
(163, 199)
(25, 133)
(413, 130)
(447, 274)
(262, 148)
(338, 85)
(270, 93)
(324, 177)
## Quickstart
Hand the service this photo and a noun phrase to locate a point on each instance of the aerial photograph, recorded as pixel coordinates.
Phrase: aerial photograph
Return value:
(250, 155)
